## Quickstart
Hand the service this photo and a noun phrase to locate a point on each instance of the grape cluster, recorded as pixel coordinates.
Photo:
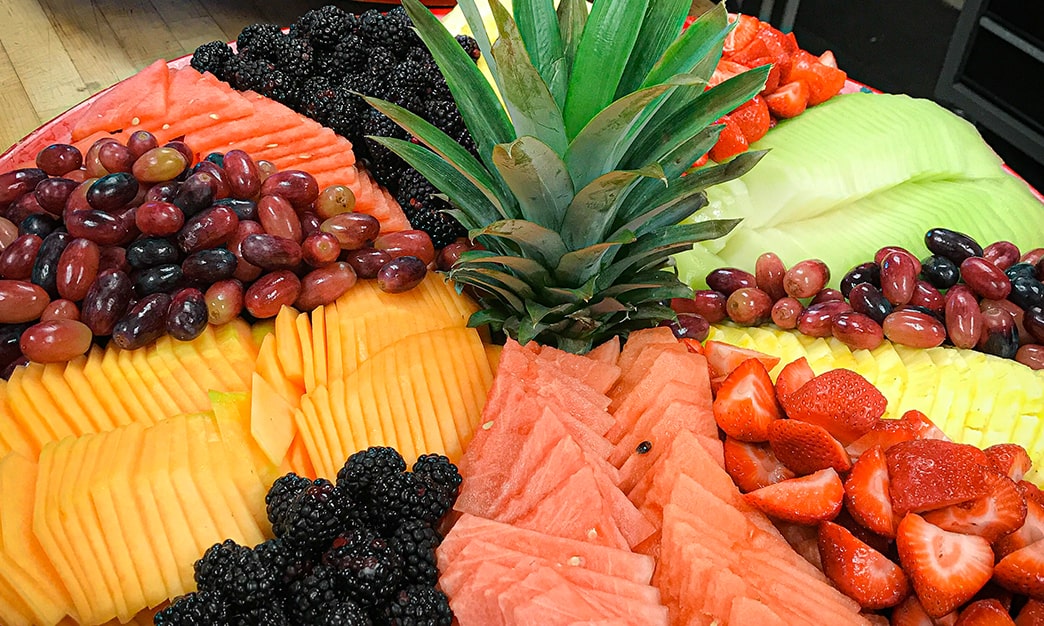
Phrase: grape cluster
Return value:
(961, 294)
(133, 241)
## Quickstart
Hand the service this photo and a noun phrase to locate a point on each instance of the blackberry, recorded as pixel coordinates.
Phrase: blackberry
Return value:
(365, 467)
(347, 56)
(259, 40)
(415, 541)
(345, 116)
(367, 83)
(470, 46)
(308, 597)
(215, 57)
(409, 496)
(295, 58)
(438, 469)
(345, 613)
(404, 96)
(386, 166)
(366, 567)
(419, 605)
(236, 573)
(314, 517)
(271, 614)
(414, 77)
(288, 562)
(445, 116)
(281, 494)
(426, 212)
(380, 61)
(194, 609)
(327, 25)
(393, 30)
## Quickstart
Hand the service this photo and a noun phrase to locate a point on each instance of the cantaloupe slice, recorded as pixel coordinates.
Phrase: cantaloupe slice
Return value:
(44, 426)
(231, 412)
(269, 368)
(205, 477)
(224, 474)
(334, 363)
(297, 459)
(13, 436)
(271, 420)
(97, 377)
(140, 385)
(320, 372)
(13, 609)
(76, 385)
(303, 325)
(83, 410)
(288, 347)
(225, 375)
(314, 420)
(187, 394)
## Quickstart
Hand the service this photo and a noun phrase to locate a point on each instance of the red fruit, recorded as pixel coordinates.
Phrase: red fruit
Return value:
(999, 512)
(722, 357)
(744, 32)
(911, 613)
(1031, 491)
(792, 377)
(1010, 459)
(986, 612)
(859, 571)
(724, 71)
(692, 345)
(1031, 531)
(790, 99)
(806, 448)
(1022, 571)
(775, 72)
(946, 568)
(745, 404)
(827, 59)
(700, 162)
(887, 432)
(1032, 614)
(867, 497)
(753, 465)
(824, 82)
(841, 401)
(929, 474)
(753, 119)
(805, 500)
(730, 142)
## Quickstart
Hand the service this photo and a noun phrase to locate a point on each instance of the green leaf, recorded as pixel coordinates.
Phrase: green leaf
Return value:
(572, 18)
(534, 241)
(473, 16)
(593, 209)
(527, 269)
(662, 24)
(580, 266)
(493, 282)
(657, 246)
(564, 295)
(702, 39)
(533, 110)
(487, 317)
(538, 178)
(538, 26)
(462, 192)
(528, 330)
(601, 56)
(483, 114)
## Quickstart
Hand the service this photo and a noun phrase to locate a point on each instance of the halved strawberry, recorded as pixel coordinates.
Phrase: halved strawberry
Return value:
(753, 465)
(1031, 491)
(928, 474)
(772, 81)
(1022, 571)
(1031, 531)
(745, 403)
(806, 448)
(987, 612)
(792, 377)
(1032, 614)
(999, 512)
(724, 71)
(946, 568)
(730, 142)
(866, 493)
(1010, 459)
(753, 118)
(824, 82)
(744, 30)
(805, 500)
(841, 401)
(700, 162)
(692, 345)
(789, 100)
(886, 432)
(859, 571)
(723, 357)
(828, 59)
(911, 613)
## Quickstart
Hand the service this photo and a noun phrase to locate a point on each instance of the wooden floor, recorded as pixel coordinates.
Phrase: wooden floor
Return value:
(56, 53)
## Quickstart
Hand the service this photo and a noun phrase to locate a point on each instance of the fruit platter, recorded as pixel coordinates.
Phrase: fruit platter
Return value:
(552, 313)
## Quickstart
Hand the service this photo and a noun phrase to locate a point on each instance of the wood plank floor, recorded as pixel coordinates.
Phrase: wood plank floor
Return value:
(56, 53)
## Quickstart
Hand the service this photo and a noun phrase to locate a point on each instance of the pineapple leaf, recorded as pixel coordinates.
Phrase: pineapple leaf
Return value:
(538, 26)
(580, 266)
(527, 269)
(662, 24)
(490, 316)
(534, 241)
(666, 214)
(702, 38)
(565, 295)
(529, 329)
(491, 282)
(605, 45)
(473, 16)
(593, 210)
(533, 110)
(482, 111)
(443, 145)
(539, 179)
(655, 248)
(462, 192)
(572, 18)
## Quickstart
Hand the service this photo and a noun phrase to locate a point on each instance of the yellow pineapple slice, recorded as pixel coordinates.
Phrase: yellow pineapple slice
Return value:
(98, 378)
(922, 382)
(271, 420)
(891, 375)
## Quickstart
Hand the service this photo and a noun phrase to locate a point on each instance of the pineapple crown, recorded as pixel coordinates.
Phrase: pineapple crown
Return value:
(584, 156)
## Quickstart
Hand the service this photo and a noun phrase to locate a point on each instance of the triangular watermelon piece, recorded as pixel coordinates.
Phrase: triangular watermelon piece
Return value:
(575, 510)
(750, 611)
(637, 341)
(637, 453)
(543, 597)
(608, 352)
(473, 598)
(687, 455)
(142, 97)
(633, 524)
(594, 373)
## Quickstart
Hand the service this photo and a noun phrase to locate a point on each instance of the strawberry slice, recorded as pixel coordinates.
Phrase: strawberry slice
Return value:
(806, 448)
(792, 377)
(859, 571)
(724, 71)
(828, 59)
(789, 100)
(722, 357)
(1010, 459)
(805, 500)
(692, 345)
(1031, 491)
(999, 512)
(867, 497)
(824, 82)
(946, 568)
(1032, 614)
(1022, 571)
(887, 432)
(752, 118)
(745, 28)
(1031, 531)
(986, 612)
(753, 465)
(730, 142)
(911, 613)
(772, 81)
(745, 404)
(928, 474)
(841, 401)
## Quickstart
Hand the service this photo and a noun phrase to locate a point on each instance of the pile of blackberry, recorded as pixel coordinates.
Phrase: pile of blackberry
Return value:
(356, 552)
(327, 55)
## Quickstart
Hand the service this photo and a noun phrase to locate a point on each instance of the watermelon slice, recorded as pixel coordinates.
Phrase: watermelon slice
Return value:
(142, 97)
(595, 374)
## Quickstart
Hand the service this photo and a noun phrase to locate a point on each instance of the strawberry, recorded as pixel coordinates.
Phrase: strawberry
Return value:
(946, 568)
(806, 448)
(928, 474)
(805, 500)
(1029, 490)
(789, 100)
(1032, 614)
(1010, 459)
(911, 613)
(824, 82)
(1022, 571)
(692, 345)
(886, 432)
(743, 32)
(792, 377)
(753, 118)
(730, 142)
(724, 71)
(827, 59)
(1031, 531)
(745, 404)
(859, 571)
(988, 612)
(866, 493)
(841, 401)
(999, 512)
(753, 465)
(773, 78)
(700, 162)
(722, 357)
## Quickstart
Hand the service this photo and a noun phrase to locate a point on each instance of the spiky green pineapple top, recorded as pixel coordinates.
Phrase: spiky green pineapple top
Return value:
(583, 175)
